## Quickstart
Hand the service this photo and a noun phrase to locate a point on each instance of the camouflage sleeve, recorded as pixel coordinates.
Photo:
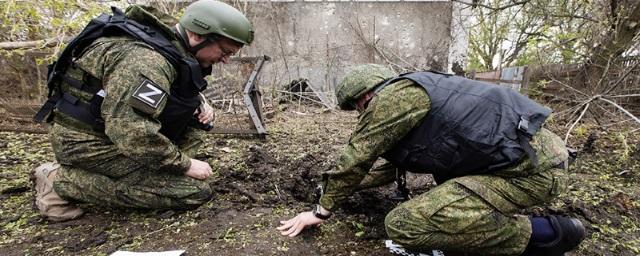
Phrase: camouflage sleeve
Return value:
(389, 117)
(193, 138)
(378, 176)
(129, 123)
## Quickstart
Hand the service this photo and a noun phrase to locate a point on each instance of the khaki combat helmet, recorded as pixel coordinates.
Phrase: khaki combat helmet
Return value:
(213, 18)
(359, 81)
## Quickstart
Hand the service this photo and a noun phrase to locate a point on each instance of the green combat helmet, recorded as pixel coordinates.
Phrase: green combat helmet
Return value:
(359, 81)
(206, 17)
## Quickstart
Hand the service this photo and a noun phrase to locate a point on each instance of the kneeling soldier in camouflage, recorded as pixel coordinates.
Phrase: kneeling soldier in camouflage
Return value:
(485, 147)
(126, 106)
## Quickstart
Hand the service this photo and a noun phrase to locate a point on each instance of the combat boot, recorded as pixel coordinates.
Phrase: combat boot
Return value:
(49, 203)
(569, 233)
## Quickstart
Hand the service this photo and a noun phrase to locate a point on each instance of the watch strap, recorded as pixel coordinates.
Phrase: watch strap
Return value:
(318, 213)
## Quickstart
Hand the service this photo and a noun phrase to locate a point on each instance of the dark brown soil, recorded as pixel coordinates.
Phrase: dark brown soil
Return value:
(261, 182)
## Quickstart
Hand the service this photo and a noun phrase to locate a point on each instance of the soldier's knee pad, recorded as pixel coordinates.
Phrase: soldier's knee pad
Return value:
(405, 228)
(196, 199)
(391, 220)
(204, 194)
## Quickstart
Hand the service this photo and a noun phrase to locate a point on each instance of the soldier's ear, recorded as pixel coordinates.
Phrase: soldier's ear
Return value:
(195, 39)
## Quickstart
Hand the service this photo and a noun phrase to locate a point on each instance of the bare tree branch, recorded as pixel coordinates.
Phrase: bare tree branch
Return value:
(357, 29)
(569, 87)
(621, 109)
(624, 96)
(573, 16)
(619, 81)
(566, 137)
(499, 8)
(50, 42)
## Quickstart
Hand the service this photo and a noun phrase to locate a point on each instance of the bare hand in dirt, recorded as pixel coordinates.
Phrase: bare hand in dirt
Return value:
(199, 170)
(294, 226)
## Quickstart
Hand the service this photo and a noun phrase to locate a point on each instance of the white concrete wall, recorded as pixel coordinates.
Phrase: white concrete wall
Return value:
(322, 40)
(460, 22)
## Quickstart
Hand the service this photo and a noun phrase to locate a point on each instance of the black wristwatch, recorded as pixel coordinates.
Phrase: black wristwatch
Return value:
(318, 214)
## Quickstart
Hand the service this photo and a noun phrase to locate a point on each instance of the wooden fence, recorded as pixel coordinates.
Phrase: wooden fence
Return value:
(624, 75)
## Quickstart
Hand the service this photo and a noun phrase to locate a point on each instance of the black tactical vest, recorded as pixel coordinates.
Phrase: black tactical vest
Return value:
(183, 97)
(472, 127)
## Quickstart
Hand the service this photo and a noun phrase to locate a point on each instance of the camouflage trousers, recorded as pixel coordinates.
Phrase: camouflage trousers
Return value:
(115, 180)
(478, 213)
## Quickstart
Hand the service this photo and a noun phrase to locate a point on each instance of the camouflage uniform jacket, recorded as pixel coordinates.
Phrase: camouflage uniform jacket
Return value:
(121, 64)
(390, 115)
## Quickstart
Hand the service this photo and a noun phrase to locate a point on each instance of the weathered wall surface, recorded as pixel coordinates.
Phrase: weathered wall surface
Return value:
(320, 41)
(462, 19)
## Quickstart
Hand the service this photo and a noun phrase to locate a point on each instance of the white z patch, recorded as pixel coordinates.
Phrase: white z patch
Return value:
(149, 93)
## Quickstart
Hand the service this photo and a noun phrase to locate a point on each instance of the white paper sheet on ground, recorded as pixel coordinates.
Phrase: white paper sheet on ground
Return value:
(399, 250)
(166, 253)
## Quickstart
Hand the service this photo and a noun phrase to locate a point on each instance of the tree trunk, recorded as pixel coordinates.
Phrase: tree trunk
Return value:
(615, 43)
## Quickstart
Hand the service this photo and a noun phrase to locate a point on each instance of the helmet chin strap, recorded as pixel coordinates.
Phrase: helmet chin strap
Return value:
(182, 33)
(207, 41)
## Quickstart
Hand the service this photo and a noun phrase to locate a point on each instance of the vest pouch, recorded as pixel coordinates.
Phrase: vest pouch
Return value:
(176, 116)
(459, 157)
(94, 107)
(447, 153)
(434, 158)
(479, 158)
